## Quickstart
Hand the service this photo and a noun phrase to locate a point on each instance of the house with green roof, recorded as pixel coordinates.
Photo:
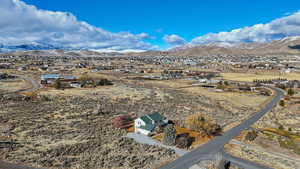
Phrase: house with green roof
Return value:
(147, 123)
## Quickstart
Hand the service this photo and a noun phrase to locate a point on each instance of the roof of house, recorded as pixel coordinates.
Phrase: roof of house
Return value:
(156, 117)
(50, 76)
(69, 77)
(148, 126)
(146, 119)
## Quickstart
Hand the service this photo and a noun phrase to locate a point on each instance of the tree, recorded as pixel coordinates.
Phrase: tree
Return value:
(291, 92)
(202, 123)
(251, 135)
(84, 79)
(104, 82)
(169, 135)
(57, 84)
(281, 127)
(226, 83)
(220, 86)
(281, 103)
(281, 86)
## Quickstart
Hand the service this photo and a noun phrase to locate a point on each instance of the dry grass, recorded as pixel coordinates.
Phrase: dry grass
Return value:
(199, 139)
(291, 135)
(13, 85)
(234, 98)
(249, 77)
(130, 129)
(174, 84)
(117, 91)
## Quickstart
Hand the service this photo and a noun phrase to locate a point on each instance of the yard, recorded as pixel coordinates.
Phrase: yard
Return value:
(199, 138)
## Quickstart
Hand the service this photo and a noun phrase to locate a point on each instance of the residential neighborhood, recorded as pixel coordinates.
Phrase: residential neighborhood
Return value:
(149, 84)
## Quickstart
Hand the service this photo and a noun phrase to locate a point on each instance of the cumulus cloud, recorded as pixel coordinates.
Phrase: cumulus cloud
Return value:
(174, 40)
(276, 29)
(22, 24)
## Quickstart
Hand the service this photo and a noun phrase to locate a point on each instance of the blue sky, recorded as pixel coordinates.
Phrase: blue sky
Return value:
(185, 20)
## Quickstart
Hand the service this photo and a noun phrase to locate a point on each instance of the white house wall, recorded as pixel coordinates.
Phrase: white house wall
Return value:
(138, 123)
(142, 131)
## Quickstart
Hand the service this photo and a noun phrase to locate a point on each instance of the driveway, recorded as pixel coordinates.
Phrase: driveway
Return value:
(140, 138)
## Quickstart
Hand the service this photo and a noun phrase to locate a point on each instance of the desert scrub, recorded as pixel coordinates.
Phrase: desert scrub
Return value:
(251, 135)
(289, 144)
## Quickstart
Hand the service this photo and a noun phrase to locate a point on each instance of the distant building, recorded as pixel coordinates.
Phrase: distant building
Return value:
(4, 66)
(147, 124)
(76, 84)
(68, 78)
(2, 76)
(49, 78)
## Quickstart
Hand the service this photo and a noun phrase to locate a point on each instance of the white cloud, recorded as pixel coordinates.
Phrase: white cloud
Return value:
(21, 23)
(276, 29)
(174, 40)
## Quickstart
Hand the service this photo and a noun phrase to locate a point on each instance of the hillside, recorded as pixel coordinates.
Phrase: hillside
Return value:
(290, 45)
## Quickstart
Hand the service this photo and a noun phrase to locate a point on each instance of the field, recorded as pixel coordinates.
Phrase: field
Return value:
(13, 85)
(72, 128)
(249, 77)
(72, 135)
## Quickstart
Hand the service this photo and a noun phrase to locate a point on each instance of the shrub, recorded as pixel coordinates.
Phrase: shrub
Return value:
(31, 95)
(169, 135)
(184, 140)
(221, 86)
(281, 127)
(281, 86)
(57, 84)
(251, 135)
(103, 82)
(85, 79)
(291, 92)
(203, 124)
(282, 103)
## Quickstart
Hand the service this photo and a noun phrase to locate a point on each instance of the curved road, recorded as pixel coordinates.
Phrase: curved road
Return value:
(210, 149)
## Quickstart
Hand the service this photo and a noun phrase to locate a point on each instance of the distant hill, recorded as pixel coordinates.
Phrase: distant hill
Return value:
(289, 45)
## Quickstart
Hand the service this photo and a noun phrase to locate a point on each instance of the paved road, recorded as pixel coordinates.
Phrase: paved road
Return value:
(140, 138)
(210, 149)
(242, 162)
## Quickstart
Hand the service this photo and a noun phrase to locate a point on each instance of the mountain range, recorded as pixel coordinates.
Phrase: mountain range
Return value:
(288, 45)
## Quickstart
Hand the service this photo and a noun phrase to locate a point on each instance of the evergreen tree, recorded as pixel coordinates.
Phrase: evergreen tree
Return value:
(281, 103)
(291, 92)
(57, 84)
(169, 135)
